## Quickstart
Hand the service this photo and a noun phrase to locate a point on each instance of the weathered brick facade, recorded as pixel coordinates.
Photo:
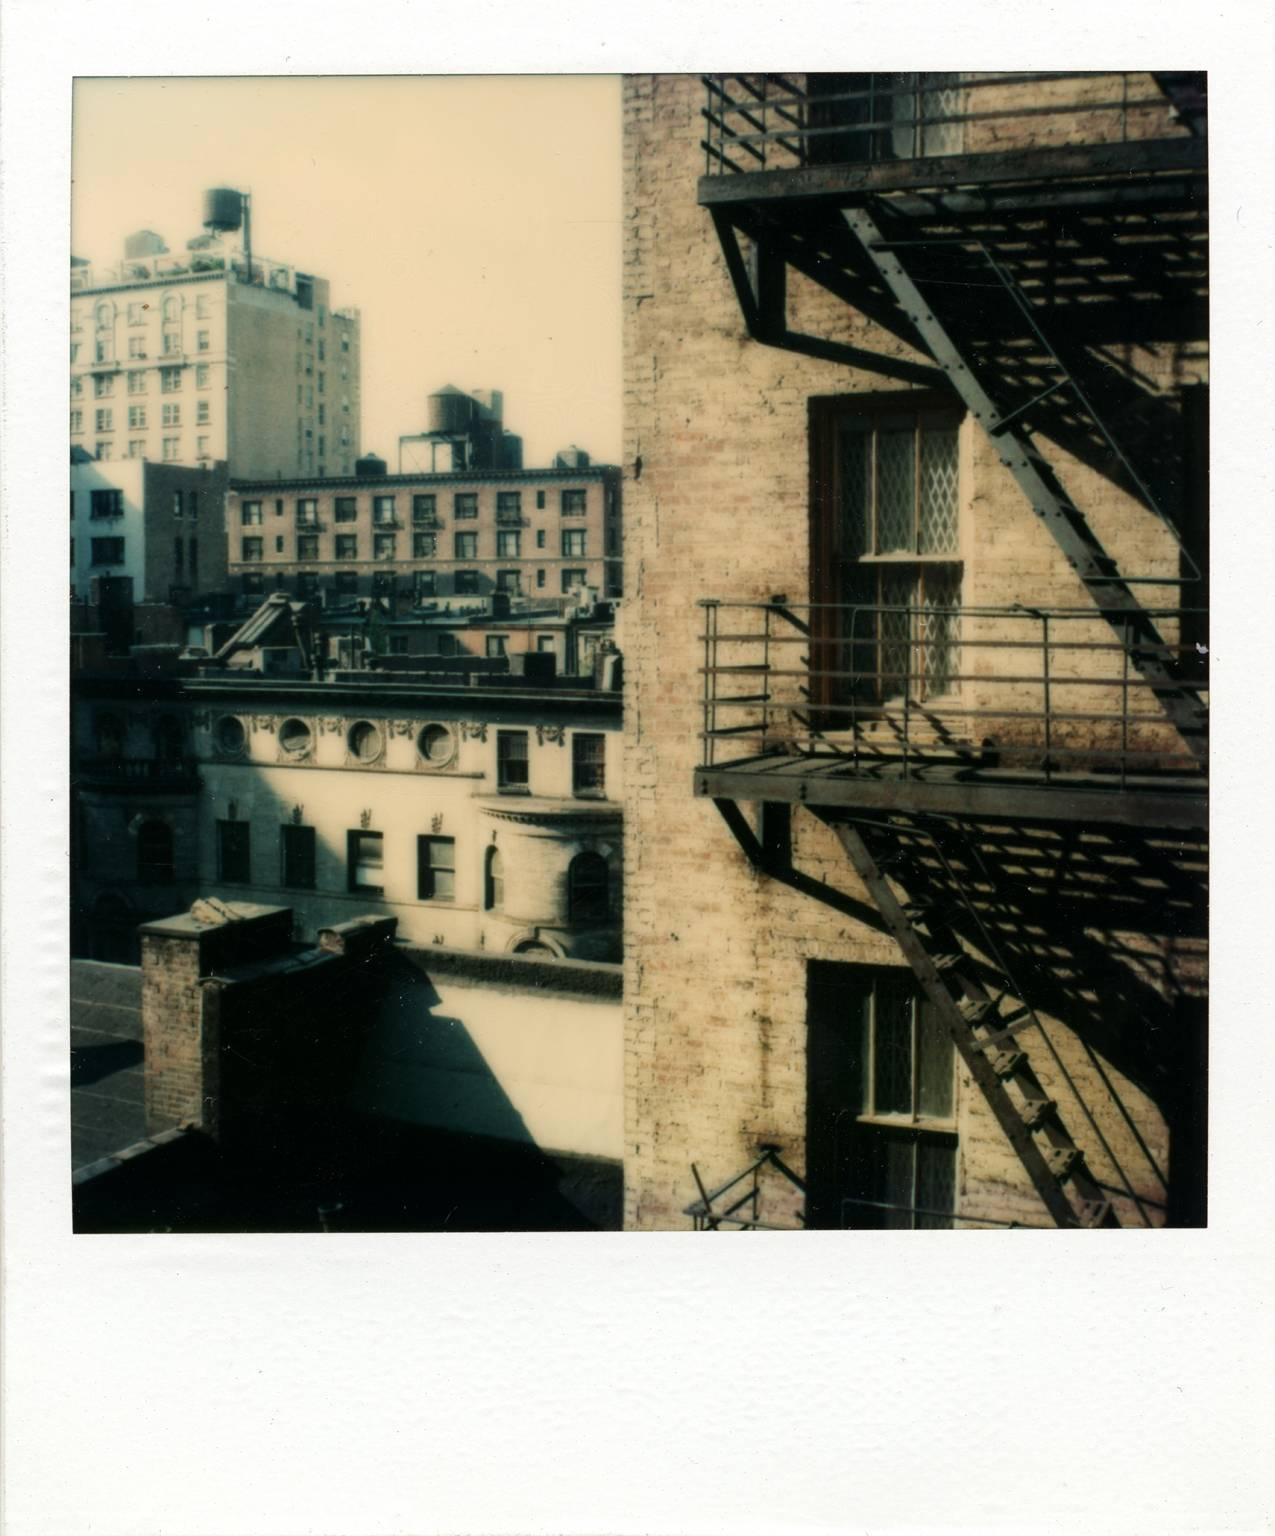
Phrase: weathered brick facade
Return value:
(717, 466)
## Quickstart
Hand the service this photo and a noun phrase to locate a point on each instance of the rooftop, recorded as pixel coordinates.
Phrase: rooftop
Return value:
(437, 477)
(107, 1112)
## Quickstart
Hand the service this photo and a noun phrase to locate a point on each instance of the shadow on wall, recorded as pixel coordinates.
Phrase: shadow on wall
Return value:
(1103, 929)
(343, 1100)
(422, 1067)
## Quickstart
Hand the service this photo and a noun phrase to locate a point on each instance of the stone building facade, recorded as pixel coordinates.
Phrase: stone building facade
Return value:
(425, 539)
(479, 817)
(771, 1003)
(188, 358)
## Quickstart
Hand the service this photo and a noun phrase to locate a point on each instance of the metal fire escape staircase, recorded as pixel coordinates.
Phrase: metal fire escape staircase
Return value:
(985, 1022)
(932, 304)
(948, 270)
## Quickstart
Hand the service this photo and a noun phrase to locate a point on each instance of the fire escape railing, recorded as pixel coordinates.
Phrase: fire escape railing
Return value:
(1047, 690)
(764, 122)
(743, 1212)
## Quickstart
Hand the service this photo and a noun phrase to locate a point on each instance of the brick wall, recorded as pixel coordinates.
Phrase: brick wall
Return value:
(716, 501)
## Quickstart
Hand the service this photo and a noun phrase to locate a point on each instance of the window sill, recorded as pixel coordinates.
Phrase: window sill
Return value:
(941, 1127)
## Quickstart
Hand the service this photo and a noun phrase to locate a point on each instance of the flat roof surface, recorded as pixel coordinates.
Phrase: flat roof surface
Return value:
(107, 1108)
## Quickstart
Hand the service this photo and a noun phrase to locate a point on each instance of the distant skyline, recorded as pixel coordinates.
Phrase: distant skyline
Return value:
(474, 221)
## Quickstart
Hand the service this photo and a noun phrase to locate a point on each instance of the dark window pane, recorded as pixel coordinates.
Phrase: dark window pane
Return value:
(298, 858)
(935, 1180)
(934, 1064)
(892, 1085)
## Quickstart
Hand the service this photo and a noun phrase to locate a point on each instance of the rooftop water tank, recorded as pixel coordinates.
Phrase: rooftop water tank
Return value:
(143, 242)
(223, 208)
(571, 458)
(448, 410)
(370, 467)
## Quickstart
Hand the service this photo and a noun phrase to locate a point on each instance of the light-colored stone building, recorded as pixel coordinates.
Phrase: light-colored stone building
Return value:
(187, 357)
(481, 817)
(914, 394)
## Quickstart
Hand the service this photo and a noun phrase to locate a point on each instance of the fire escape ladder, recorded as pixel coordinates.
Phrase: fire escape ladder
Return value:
(972, 270)
(987, 1042)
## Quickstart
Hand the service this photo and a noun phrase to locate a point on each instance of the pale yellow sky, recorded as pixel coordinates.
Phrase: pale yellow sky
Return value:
(474, 221)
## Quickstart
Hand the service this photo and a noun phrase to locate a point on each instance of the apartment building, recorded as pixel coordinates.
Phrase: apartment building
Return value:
(143, 532)
(422, 539)
(916, 373)
(213, 354)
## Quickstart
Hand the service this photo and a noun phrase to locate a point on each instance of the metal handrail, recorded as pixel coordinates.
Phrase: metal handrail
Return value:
(915, 685)
(764, 121)
(708, 1219)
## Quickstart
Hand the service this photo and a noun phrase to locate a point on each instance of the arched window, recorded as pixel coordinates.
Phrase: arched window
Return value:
(494, 881)
(105, 316)
(172, 309)
(155, 853)
(587, 888)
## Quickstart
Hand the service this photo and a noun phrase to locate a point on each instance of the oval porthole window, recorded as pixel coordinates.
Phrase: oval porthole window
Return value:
(435, 744)
(231, 735)
(294, 737)
(364, 741)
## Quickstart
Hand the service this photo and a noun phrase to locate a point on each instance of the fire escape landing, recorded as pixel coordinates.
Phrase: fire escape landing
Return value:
(1021, 233)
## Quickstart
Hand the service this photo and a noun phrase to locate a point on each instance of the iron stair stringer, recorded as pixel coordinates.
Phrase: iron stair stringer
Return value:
(985, 1041)
(1008, 431)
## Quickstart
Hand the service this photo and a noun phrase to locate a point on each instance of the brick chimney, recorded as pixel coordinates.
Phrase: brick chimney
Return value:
(182, 1058)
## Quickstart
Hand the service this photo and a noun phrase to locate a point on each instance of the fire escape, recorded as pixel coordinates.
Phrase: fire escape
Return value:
(1030, 238)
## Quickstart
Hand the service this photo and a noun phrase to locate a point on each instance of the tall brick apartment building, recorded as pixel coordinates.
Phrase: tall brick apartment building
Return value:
(424, 538)
(916, 550)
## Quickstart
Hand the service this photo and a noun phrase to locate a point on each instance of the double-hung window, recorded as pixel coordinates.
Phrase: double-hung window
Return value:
(234, 857)
(106, 503)
(886, 542)
(574, 543)
(512, 767)
(882, 1143)
(296, 850)
(466, 546)
(588, 764)
(365, 863)
(435, 868)
(106, 551)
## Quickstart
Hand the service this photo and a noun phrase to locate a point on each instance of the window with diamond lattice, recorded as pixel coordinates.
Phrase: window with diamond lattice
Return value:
(901, 115)
(886, 542)
(881, 1115)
